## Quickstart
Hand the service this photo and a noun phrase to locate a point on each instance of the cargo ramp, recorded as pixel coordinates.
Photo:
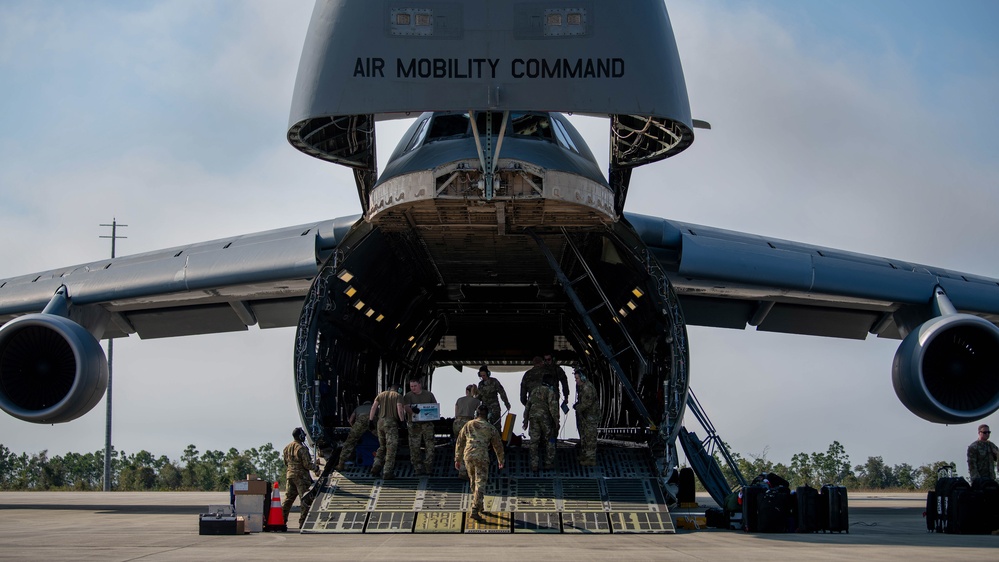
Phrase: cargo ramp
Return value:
(621, 494)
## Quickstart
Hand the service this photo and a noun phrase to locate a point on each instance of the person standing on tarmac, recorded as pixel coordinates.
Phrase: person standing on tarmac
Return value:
(421, 433)
(541, 413)
(298, 463)
(386, 414)
(490, 391)
(982, 455)
(472, 447)
(358, 421)
(587, 418)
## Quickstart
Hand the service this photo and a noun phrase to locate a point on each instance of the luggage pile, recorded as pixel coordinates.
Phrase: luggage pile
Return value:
(769, 506)
(957, 507)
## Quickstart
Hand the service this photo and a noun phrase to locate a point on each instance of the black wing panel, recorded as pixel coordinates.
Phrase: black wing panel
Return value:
(730, 279)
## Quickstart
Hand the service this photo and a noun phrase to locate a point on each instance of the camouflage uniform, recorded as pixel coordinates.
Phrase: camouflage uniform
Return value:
(532, 378)
(982, 457)
(388, 433)
(421, 434)
(298, 463)
(490, 391)
(357, 430)
(587, 418)
(472, 447)
(542, 415)
(464, 412)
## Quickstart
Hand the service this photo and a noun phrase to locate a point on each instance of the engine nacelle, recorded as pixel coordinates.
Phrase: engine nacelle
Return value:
(52, 370)
(947, 370)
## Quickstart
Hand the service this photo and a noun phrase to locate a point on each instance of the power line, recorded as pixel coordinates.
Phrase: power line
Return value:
(107, 426)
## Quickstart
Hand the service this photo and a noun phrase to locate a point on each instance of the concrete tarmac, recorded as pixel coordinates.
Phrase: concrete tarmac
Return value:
(164, 526)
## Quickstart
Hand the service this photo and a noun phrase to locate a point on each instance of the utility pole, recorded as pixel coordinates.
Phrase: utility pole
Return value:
(107, 427)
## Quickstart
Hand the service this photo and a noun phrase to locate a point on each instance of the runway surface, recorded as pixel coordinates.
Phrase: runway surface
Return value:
(164, 526)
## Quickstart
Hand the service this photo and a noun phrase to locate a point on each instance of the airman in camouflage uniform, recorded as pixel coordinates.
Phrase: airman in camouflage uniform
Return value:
(421, 433)
(298, 463)
(464, 412)
(472, 447)
(587, 417)
(541, 413)
(490, 391)
(358, 425)
(387, 412)
(532, 378)
(983, 455)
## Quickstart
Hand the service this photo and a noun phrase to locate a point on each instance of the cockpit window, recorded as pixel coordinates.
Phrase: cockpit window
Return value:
(532, 125)
(563, 136)
(421, 132)
(445, 126)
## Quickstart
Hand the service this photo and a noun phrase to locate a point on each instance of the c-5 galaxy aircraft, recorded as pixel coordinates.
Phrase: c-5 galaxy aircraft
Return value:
(492, 229)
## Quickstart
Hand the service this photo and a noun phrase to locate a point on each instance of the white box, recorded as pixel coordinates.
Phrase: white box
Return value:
(428, 412)
(254, 522)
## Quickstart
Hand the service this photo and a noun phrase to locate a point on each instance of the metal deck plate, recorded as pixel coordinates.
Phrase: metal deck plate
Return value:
(445, 494)
(630, 494)
(396, 495)
(439, 522)
(489, 522)
(347, 494)
(500, 494)
(585, 522)
(337, 522)
(390, 522)
(582, 494)
(537, 494)
(536, 522)
(641, 522)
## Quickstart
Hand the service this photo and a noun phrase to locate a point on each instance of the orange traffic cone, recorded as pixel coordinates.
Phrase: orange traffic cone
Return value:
(275, 519)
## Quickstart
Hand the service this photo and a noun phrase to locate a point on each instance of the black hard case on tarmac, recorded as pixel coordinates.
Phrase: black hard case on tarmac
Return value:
(965, 512)
(944, 497)
(218, 524)
(834, 509)
(807, 512)
(990, 501)
(751, 498)
(774, 511)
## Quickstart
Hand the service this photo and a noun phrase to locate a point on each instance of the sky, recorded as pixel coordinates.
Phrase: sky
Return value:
(856, 125)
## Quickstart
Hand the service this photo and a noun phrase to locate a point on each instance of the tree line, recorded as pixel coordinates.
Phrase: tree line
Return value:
(215, 470)
(208, 471)
(833, 467)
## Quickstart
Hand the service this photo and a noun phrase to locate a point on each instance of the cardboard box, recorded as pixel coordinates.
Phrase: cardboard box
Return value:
(428, 412)
(250, 487)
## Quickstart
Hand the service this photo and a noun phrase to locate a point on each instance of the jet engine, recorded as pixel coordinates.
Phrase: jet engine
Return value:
(52, 370)
(947, 370)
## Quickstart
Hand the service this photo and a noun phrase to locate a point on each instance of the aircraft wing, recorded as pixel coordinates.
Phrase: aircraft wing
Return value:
(723, 279)
(218, 286)
(732, 280)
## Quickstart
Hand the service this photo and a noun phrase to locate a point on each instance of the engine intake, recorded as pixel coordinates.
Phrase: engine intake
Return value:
(52, 370)
(947, 370)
